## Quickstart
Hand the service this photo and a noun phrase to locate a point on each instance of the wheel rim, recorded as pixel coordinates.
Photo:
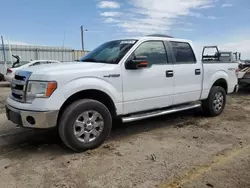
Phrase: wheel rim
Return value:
(88, 126)
(218, 101)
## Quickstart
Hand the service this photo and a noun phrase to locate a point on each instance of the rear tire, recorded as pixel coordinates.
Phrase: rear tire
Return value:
(216, 101)
(85, 124)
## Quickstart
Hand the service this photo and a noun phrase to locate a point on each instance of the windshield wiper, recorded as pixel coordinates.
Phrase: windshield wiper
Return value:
(89, 59)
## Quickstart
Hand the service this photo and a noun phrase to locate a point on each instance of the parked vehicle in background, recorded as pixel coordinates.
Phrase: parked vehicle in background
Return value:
(228, 56)
(11, 71)
(244, 74)
(244, 67)
(131, 79)
(244, 70)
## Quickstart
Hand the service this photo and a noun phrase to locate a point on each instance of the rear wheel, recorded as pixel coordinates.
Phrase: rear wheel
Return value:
(216, 101)
(84, 125)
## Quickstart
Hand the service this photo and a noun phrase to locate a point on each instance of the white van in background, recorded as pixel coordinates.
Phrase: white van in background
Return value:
(11, 71)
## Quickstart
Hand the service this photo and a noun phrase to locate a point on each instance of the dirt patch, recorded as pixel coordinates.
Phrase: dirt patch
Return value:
(4, 92)
(150, 153)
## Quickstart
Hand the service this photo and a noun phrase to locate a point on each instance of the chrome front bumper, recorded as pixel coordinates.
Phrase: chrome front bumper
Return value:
(32, 119)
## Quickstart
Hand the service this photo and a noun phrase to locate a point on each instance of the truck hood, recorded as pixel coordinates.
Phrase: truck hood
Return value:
(66, 67)
(71, 70)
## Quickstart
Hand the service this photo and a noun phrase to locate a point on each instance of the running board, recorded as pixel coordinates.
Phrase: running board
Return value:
(138, 117)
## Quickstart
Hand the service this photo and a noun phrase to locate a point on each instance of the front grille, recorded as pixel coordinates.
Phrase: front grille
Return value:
(17, 77)
(19, 97)
(18, 85)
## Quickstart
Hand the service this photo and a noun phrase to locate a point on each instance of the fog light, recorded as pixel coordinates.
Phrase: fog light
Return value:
(30, 120)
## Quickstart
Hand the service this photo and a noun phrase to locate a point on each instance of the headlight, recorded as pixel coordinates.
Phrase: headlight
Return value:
(39, 89)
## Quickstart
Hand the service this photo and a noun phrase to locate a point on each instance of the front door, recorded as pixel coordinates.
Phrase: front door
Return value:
(151, 87)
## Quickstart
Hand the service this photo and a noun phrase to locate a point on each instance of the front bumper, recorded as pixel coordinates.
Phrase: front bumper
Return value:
(32, 119)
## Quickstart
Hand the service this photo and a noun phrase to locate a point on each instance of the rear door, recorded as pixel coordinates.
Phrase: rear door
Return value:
(187, 73)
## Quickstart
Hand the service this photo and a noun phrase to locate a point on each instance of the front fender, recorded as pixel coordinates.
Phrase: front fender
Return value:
(74, 86)
(64, 91)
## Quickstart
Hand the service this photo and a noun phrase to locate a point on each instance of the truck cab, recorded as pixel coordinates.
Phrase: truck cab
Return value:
(130, 79)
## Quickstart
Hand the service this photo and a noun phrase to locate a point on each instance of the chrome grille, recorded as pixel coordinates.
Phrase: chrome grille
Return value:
(18, 85)
(17, 77)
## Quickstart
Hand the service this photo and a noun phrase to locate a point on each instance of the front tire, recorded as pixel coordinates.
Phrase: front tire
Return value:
(216, 101)
(85, 124)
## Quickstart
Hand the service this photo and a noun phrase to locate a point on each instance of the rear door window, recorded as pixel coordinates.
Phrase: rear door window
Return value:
(183, 53)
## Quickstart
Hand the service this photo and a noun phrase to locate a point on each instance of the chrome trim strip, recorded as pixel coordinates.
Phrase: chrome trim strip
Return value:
(159, 113)
(22, 93)
(18, 82)
(18, 92)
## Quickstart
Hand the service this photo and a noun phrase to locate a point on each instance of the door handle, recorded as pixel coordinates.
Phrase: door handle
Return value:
(197, 71)
(169, 73)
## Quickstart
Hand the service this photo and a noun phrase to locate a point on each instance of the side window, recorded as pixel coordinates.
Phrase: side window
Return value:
(154, 50)
(183, 52)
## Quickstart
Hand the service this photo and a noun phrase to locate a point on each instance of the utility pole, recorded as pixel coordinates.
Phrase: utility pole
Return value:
(4, 57)
(11, 59)
(63, 46)
(82, 36)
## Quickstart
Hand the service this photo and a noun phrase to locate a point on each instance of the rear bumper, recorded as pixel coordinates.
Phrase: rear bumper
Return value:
(244, 81)
(32, 119)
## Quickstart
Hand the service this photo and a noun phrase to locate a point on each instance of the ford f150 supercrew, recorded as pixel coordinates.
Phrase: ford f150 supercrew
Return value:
(129, 79)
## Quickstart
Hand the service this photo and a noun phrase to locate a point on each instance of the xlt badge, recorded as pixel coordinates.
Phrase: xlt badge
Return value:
(111, 76)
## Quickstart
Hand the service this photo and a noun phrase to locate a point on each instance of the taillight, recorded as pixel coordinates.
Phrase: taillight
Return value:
(9, 71)
(237, 71)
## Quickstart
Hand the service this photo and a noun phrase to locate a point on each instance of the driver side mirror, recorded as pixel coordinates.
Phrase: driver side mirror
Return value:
(137, 63)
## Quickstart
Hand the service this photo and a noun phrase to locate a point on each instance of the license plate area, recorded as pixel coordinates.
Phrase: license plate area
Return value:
(15, 117)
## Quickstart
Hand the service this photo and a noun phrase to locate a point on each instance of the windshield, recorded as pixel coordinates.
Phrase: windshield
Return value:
(110, 52)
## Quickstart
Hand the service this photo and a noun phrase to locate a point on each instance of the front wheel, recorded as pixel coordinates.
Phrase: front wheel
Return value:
(84, 125)
(216, 101)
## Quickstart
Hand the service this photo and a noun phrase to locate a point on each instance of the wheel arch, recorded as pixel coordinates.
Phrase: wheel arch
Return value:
(222, 83)
(94, 94)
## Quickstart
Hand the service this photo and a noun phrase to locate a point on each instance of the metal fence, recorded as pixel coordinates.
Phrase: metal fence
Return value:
(28, 53)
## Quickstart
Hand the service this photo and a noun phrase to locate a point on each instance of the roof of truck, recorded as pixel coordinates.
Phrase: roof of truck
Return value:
(158, 37)
(225, 52)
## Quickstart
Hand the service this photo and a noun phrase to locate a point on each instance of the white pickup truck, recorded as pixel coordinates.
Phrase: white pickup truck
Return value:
(130, 79)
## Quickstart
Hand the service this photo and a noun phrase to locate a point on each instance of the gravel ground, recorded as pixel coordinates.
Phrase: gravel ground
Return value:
(180, 150)
(4, 92)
